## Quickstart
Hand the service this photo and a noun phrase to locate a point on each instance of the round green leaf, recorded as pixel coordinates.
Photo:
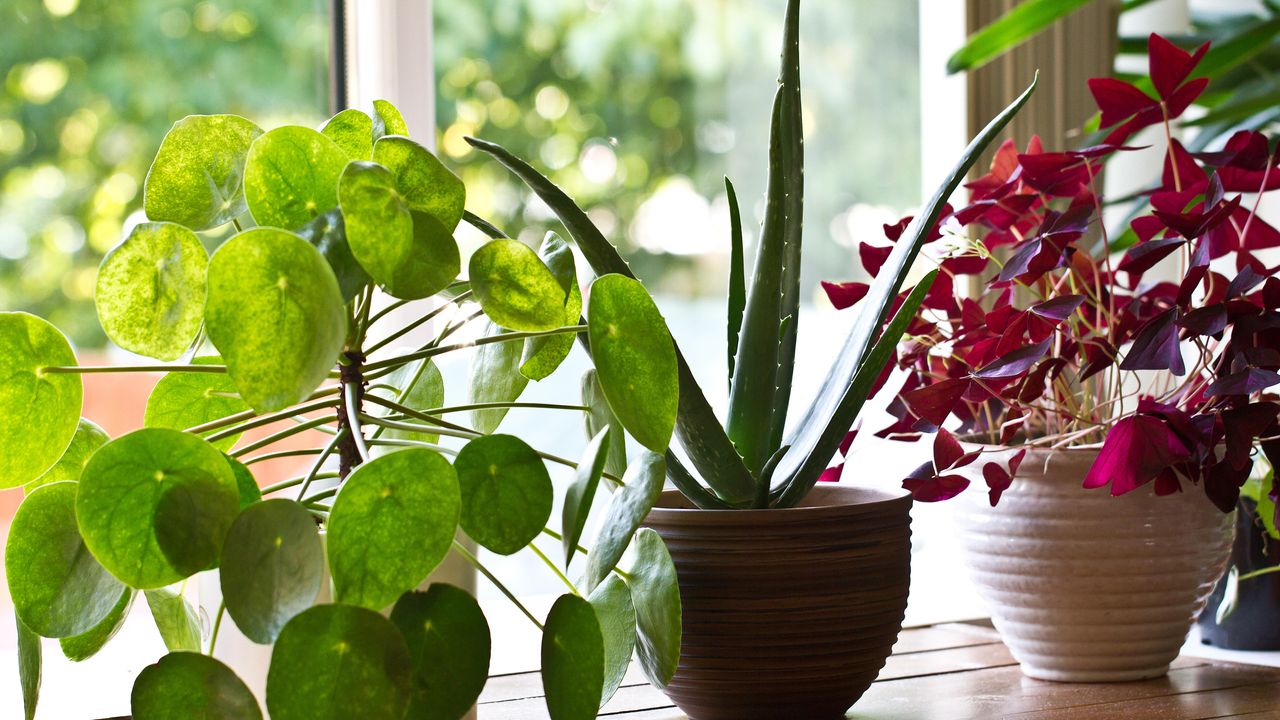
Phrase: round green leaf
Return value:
(391, 524)
(495, 378)
(635, 359)
(387, 120)
(150, 292)
(423, 181)
(328, 233)
(175, 619)
(272, 567)
(78, 648)
(542, 355)
(629, 507)
(351, 130)
(291, 176)
(599, 417)
(58, 588)
(88, 438)
(337, 662)
(276, 315)
(572, 660)
(448, 639)
(246, 484)
(30, 665)
(184, 400)
(515, 288)
(580, 495)
(506, 492)
(409, 253)
(154, 506)
(191, 686)
(197, 177)
(617, 616)
(421, 388)
(652, 579)
(39, 412)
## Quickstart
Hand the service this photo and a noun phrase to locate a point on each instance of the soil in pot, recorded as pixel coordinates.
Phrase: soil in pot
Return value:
(786, 613)
(1255, 622)
(1086, 587)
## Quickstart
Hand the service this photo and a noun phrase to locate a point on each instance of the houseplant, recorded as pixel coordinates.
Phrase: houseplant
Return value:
(775, 622)
(321, 219)
(1242, 611)
(1142, 361)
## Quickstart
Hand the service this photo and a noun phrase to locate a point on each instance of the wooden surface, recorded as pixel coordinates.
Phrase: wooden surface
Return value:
(961, 671)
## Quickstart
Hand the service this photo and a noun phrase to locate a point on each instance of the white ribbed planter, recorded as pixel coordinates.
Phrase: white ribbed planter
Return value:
(1086, 587)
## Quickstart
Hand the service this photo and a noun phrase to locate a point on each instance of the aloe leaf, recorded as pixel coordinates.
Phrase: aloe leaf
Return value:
(854, 397)
(1011, 29)
(699, 430)
(737, 279)
(761, 386)
(819, 431)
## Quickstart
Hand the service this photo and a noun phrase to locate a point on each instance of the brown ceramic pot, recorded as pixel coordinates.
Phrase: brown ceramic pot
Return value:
(786, 613)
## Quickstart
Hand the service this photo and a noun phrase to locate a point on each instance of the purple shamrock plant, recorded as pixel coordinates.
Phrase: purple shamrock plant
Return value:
(1161, 344)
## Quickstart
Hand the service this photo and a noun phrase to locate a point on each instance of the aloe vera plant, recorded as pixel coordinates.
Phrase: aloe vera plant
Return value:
(277, 331)
(749, 461)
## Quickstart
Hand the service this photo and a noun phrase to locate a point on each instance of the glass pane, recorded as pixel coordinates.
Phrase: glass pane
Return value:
(91, 87)
(639, 108)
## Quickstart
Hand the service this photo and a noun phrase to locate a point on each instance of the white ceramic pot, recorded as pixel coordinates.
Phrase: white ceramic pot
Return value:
(1086, 587)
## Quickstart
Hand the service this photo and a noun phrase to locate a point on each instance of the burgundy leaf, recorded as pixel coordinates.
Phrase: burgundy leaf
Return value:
(1155, 347)
(926, 485)
(831, 474)
(1000, 477)
(1210, 320)
(873, 257)
(1136, 450)
(1015, 363)
(1244, 382)
(1118, 100)
(1169, 64)
(1059, 308)
(1141, 258)
(933, 403)
(946, 450)
(843, 295)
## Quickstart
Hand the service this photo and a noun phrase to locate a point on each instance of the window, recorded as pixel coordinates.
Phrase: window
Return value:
(90, 86)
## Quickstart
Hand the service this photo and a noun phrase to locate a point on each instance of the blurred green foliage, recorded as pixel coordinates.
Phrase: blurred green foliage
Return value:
(90, 88)
(637, 107)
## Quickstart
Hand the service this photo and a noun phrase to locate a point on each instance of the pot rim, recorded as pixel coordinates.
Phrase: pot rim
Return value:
(873, 498)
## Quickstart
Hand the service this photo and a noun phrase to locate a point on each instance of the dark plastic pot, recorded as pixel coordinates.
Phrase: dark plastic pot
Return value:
(1255, 623)
(786, 613)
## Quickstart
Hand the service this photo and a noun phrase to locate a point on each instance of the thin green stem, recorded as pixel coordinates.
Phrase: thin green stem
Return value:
(217, 625)
(416, 323)
(509, 405)
(410, 412)
(251, 414)
(415, 427)
(281, 454)
(277, 437)
(322, 495)
(414, 443)
(546, 560)
(315, 469)
(86, 369)
(353, 420)
(552, 533)
(1258, 573)
(464, 552)
(388, 310)
(442, 349)
(269, 419)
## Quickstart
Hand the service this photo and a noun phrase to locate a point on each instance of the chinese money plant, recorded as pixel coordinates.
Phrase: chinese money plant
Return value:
(324, 221)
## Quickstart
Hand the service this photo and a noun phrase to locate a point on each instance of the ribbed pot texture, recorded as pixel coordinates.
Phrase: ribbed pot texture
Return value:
(786, 613)
(1086, 587)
